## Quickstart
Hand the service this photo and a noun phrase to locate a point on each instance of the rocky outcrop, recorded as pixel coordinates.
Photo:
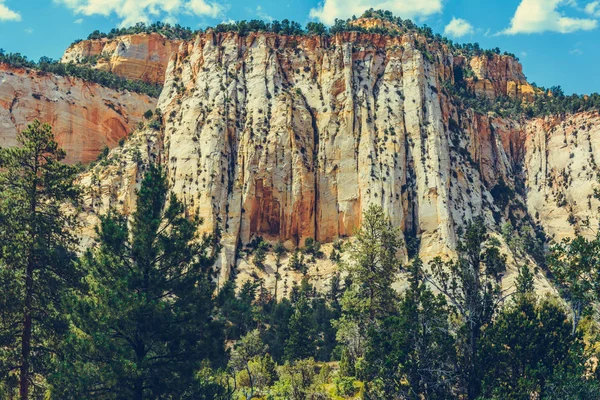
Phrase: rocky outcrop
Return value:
(291, 138)
(137, 57)
(499, 75)
(85, 117)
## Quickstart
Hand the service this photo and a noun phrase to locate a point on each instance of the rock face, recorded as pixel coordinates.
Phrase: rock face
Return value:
(500, 75)
(561, 167)
(85, 116)
(291, 138)
(137, 57)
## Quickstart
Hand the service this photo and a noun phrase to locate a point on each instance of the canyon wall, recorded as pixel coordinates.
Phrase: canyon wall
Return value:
(85, 116)
(137, 57)
(293, 137)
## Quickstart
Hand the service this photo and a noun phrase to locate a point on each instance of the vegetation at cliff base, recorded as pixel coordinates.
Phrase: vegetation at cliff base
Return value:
(137, 315)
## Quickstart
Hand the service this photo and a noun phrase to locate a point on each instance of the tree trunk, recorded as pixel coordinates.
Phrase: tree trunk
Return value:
(26, 335)
(473, 382)
(138, 389)
(27, 322)
(576, 317)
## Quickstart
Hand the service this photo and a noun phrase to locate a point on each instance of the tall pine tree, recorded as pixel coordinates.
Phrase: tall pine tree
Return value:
(472, 285)
(146, 323)
(36, 254)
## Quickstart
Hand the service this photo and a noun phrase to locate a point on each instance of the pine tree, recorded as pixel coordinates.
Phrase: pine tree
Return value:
(575, 263)
(146, 323)
(472, 286)
(527, 345)
(373, 263)
(372, 267)
(36, 253)
(301, 342)
(412, 353)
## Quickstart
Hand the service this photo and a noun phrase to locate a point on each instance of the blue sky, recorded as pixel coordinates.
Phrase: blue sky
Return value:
(556, 40)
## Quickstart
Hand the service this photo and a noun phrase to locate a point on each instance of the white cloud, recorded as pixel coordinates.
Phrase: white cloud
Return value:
(329, 10)
(78, 21)
(132, 11)
(201, 7)
(263, 15)
(593, 9)
(458, 27)
(6, 14)
(536, 16)
(29, 31)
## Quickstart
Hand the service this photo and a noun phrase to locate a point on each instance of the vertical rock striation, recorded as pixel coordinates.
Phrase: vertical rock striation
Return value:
(291, 138)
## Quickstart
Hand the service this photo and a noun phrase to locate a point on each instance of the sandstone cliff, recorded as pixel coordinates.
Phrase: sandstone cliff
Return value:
(293, 137)
(85, 116)
(137, 57)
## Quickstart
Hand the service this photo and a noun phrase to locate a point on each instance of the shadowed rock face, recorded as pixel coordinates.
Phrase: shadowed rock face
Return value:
(84, 116)
(293, 137)
(137, 57)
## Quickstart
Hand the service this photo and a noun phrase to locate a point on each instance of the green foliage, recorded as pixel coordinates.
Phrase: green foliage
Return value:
(103, 153)
(345, 386)
(412, 352)
(302, 339)
(575, 263)
(37, 252)
(100, 77)
(144, 326)
(169, 31)
(260, 255)
(296, 262)
(312, 247)
(527, 345)
(148, 114)
(472, 285)
(372, 265)
(316, 28)
(249, 348)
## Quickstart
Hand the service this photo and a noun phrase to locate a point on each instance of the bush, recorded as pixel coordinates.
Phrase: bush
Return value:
(345, 386)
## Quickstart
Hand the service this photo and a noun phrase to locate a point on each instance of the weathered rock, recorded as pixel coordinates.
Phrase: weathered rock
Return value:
(84, 116)
(500, 75)
(137, 57)
(291, 138)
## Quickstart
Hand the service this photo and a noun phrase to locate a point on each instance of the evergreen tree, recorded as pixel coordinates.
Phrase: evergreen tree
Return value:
(525, 347)
(412, 353)
(371, 267)
(146, 323)
(36, 254)
(575, 263)
(301, 342)
(260, 255)
(472, 286)
(373, 264)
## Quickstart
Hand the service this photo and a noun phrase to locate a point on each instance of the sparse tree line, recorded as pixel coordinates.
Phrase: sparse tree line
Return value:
(551, 101)
(169, 31)
(137, 316)
(86, 73)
